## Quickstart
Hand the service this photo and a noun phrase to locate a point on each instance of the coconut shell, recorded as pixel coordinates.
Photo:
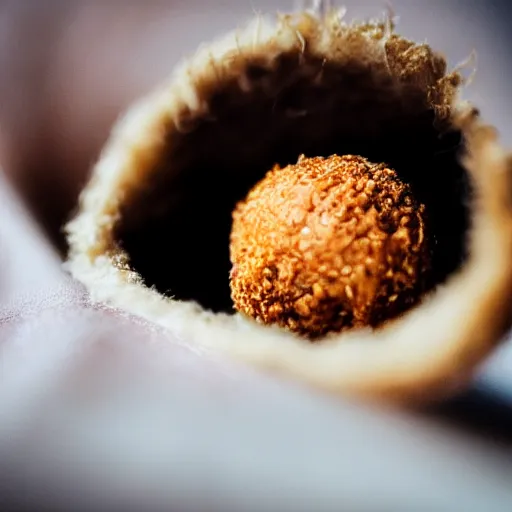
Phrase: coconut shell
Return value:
(151, 235)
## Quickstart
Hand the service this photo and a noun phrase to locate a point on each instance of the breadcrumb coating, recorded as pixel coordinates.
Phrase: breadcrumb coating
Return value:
(328, 244)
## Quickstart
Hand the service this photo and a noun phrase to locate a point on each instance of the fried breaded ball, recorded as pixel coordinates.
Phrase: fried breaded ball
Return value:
(328, 244)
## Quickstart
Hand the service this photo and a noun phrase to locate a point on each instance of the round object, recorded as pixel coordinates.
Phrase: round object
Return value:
(328, 244)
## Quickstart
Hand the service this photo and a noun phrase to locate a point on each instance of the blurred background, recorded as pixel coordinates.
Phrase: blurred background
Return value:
(68, 69)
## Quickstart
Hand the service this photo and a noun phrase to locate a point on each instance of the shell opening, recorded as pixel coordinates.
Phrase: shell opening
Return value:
(175, 229)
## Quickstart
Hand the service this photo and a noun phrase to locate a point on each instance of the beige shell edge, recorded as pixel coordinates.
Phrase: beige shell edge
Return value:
(426, 355)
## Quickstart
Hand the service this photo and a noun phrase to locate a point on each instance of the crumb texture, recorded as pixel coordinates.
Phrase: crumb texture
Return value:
(328, 244)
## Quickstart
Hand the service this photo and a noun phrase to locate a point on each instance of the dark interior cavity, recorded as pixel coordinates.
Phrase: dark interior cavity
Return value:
(175, 230)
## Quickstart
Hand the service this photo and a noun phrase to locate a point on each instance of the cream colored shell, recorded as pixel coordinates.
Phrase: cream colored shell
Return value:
(426, 355)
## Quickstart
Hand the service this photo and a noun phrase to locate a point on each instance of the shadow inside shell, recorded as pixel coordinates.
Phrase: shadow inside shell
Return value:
(176, 229)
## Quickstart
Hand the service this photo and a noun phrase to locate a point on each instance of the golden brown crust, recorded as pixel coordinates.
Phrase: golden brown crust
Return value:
(427, 354)
(328, 244)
